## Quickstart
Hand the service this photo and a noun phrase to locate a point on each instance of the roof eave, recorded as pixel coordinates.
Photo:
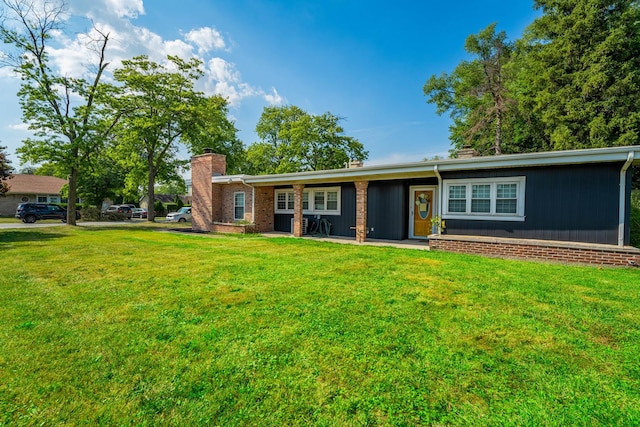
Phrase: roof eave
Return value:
(426, 168)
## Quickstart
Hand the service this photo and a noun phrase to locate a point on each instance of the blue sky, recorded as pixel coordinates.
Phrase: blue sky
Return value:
(365, 61)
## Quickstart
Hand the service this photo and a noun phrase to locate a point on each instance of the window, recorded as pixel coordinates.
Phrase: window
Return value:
(481, 198)
(500, 199)
(323, 201)
(238, 206)
(48, 199)
(318, 198)
(457, 198)
(332, 200)
(507, 198)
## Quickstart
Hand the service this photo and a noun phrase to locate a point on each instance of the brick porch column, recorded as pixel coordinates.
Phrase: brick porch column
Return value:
(361, 210)
(297, 209)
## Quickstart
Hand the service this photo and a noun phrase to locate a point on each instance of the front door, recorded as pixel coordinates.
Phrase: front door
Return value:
(423, 203)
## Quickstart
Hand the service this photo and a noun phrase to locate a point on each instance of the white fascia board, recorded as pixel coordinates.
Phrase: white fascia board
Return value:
(229, 179)
(341, 175)
(426, 168)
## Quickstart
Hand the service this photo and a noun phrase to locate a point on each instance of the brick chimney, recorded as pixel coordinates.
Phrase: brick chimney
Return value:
(205, 198)
(467, 152)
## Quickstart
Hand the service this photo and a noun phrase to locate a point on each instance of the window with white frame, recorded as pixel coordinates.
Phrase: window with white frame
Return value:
(48, 199)
(320, 201)
(238, 206)
(485, 198)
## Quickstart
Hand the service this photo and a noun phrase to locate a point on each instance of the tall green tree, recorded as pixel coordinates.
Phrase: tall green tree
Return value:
(476, 93)
(62, 111)
(293, 141)
(5, 171)
(162, 113)
(580, 72)
(212, 128)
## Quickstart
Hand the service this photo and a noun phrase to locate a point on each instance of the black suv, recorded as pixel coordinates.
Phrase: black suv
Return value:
(31, 212)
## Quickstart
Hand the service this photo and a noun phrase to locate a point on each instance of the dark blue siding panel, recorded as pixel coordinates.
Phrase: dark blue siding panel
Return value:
(387, 210)
(575, 203)
(340, 224)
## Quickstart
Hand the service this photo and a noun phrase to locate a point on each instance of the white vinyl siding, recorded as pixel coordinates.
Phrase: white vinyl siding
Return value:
(498, 199)
(315, 201)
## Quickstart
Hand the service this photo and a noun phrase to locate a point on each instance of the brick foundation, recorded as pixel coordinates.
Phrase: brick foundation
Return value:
(223, 227)
(582, 253)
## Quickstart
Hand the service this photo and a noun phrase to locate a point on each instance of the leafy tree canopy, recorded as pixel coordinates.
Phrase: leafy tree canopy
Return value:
(572, 81)
(161, 113)
(5, 171)
(293, 140)
(63, 111)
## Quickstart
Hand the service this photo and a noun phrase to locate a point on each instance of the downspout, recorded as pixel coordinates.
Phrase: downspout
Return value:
(623, 197)
(437, 172)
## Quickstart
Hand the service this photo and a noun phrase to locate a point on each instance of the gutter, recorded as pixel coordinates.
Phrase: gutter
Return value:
(253, 199)
(623, 198)
(440, 189)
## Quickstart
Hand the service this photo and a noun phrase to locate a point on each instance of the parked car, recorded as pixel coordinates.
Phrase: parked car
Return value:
(32, 212)
(183, 215)
(139, 213)
(125, 210)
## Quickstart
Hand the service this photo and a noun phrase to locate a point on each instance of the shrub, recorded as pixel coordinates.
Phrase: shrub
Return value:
(171, 207)
(178, 202)
(91, 214)
(159, 209)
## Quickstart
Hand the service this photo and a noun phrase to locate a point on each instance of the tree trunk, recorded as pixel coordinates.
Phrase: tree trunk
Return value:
(73, 195)
(498, 132)
(151, 214)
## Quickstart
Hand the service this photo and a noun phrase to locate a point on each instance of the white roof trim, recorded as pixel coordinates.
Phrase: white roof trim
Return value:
(426, 168)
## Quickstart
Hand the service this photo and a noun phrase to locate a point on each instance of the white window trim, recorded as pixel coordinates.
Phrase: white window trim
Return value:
(520, 181)
(244, 204)
(310, 191)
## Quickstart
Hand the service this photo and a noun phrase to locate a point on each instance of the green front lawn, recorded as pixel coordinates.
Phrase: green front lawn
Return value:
(133, 326)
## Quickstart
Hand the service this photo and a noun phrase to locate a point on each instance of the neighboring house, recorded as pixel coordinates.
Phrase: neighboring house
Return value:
(31, 188)
(564, 205)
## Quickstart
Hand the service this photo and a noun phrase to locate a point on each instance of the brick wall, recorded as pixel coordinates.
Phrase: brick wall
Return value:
(204, 194)
(538, 250)
(227, 202)
(264, 209)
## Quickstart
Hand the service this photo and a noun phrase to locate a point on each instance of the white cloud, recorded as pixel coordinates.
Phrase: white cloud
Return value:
(206, 39)
(23, 127)
(126, 8)
(73, 54)
(274, 97)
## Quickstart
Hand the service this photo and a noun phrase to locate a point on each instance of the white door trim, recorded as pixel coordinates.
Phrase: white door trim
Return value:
(434, 205)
